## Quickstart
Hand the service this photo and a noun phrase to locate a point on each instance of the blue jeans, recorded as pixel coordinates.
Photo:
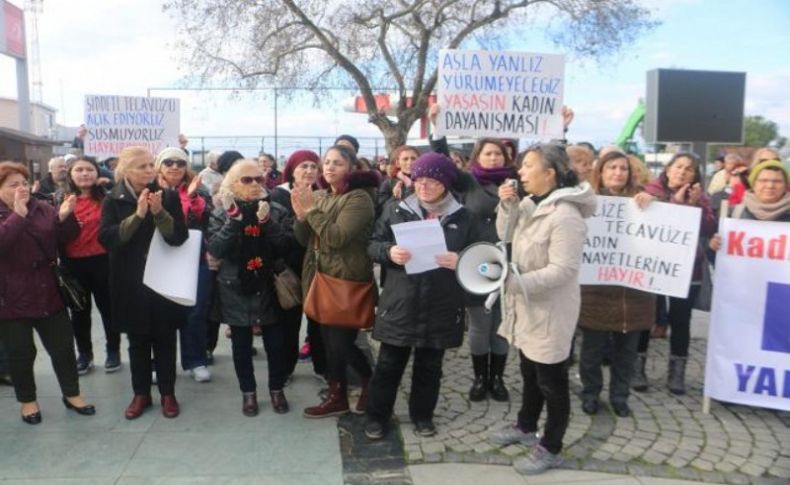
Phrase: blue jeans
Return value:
(194, 334)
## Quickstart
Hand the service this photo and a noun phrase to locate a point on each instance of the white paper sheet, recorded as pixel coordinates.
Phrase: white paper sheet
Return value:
(424, 240)
(172, 271)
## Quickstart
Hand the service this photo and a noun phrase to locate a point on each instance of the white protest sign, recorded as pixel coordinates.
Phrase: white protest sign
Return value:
(500, 94)
(748, 359)
(424, 240)
(172, 271)
(651, 250)
(116, 122)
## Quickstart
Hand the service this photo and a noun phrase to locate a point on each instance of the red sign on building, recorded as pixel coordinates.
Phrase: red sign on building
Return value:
(12, 30)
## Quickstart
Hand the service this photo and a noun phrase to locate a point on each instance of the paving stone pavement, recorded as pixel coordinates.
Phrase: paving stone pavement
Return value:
(668, 436)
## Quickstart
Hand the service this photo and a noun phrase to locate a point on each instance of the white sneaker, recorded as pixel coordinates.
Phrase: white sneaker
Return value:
(201, 373)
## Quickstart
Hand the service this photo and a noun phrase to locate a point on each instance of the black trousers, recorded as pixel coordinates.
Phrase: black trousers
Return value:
(92, 273)
(214, 315)
(292, 325)
(165, 318)
(621, 349)
(317, 348)
(426, 379)
(341, 351)
(57, 336)
(679, 323)
(273, 342)
(545, 384)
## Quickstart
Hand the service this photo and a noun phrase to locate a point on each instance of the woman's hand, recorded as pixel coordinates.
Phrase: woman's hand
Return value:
(21, 198)
(715, 242)
(433, 113)
(508, 191)
(688, 194)
(155, 202)
(397, 190)
(263, 210)
(567, 116)
(194, 186)
(304, 197)
(142, 204)
(399, 255)
(67, 207)
(643, 199)
(447, 260)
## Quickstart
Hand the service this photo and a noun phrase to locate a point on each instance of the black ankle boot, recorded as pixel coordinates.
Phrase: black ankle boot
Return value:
(479, 388)
(495, 383)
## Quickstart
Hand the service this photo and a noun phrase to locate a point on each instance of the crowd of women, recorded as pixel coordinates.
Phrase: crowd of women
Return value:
(333, 216)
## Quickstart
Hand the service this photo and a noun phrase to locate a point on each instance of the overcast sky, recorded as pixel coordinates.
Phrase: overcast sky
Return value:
(126, 46)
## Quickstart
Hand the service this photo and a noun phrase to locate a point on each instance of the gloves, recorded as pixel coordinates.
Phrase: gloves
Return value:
(263, 211)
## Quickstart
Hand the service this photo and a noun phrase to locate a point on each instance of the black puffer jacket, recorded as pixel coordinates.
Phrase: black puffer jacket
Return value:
(261, 308)
(426, 309)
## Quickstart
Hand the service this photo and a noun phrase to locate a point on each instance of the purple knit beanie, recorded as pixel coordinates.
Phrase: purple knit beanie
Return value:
(436, 166)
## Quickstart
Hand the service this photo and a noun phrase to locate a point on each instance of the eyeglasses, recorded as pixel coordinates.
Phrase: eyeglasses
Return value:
(248, 180)
(178, 163)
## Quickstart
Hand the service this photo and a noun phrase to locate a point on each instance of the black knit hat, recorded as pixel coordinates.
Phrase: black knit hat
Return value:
(227, 159)
(349, 139)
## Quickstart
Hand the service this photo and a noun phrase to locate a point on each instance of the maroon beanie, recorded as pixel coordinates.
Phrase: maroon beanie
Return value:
(297, 157)
(436, 166)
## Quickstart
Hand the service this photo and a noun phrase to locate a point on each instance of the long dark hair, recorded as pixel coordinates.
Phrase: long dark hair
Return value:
(478, 149)
(97, 191)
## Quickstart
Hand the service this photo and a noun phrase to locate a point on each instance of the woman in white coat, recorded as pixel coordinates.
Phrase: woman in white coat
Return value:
(542, 300)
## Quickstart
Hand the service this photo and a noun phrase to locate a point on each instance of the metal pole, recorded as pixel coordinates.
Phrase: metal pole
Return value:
(23, 95)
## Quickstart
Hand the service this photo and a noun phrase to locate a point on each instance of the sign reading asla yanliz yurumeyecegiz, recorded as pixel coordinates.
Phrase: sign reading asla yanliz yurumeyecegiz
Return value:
(116, 122)
(500, 94)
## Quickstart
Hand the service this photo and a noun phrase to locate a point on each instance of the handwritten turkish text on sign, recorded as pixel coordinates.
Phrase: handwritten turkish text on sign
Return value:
(116, 122)
(748, 356)
(500, 94)
(651, 250)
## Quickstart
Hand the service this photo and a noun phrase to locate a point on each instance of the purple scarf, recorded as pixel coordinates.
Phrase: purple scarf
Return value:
(488, 176)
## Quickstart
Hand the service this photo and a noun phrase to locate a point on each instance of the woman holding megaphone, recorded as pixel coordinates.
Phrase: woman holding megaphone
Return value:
(542, 299)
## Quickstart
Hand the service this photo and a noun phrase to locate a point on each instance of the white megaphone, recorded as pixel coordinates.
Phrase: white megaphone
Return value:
(482, 269)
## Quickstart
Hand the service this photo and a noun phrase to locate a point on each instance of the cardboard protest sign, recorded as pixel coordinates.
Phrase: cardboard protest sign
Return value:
(500, 94)
(116, 122)
(651, 250)
(748, 359)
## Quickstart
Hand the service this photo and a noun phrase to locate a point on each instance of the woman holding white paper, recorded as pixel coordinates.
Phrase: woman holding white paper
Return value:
(423, 311)
(612, 313)
(135, 208)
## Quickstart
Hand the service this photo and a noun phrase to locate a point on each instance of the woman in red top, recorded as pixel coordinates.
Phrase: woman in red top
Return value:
(87, 260)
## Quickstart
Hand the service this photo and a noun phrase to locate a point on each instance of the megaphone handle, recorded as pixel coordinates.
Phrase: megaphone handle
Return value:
(489, 304)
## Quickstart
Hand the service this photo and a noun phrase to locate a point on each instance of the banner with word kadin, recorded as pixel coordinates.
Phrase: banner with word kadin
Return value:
(651, 250)
(500, 94)
(748, 359)
(116, 122)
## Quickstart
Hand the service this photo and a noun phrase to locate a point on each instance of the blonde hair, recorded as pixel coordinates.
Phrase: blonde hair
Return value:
(130, 157)
(225, 192)
(639, 171)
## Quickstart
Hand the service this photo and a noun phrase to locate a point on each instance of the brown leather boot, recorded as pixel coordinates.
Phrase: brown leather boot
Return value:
(336, 403)
(138, 406)
(279, 403)
(249, 406)
(362, 402)
(170, 407)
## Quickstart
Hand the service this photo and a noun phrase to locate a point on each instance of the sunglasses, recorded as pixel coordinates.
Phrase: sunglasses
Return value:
(248, 180)
(178, 163)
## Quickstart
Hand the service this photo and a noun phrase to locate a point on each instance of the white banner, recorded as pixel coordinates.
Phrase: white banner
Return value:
(500, 94)
(172, 271)
(116, 122)
(651, 250)
(748, 358)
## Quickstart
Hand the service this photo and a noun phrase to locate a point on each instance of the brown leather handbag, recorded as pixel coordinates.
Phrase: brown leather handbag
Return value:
(339, 303)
